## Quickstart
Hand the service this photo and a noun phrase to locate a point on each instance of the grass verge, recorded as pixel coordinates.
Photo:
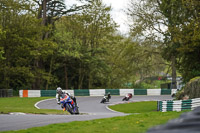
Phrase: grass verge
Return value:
(136, 107)
(25, 105)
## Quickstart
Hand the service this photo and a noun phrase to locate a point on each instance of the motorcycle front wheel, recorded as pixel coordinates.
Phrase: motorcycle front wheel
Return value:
(69, 109)
(103, 100)
(76, 110)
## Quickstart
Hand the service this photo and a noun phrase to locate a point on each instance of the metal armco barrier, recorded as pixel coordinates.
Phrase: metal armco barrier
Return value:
(186, 123)
(96, 92)
(6, 92)
(178, 105)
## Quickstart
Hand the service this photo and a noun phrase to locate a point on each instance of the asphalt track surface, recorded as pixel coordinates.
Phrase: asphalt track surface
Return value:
(89, 107)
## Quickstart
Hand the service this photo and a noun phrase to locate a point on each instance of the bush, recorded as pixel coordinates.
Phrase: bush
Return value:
(180, 94)
(149, 84)
(192, 88)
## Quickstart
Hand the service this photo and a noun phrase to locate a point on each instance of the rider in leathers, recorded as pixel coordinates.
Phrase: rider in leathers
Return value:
(59, 94)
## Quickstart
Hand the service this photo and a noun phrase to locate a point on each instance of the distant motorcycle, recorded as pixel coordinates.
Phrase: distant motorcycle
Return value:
(127, 97)
(106, 98)
(68, 104)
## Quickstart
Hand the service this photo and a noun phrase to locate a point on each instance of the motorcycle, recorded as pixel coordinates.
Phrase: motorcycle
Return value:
(68, 104)
(127, 97)
(106, 98)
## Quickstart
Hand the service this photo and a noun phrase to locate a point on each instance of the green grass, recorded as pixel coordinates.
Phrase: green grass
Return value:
(25, 105)
(136, 107)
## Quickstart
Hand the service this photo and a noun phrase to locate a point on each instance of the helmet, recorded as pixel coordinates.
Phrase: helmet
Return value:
(59, 90)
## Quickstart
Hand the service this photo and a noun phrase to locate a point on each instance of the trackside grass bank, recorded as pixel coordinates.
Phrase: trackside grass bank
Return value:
(139, 122)
(136, 107)
(25, 105)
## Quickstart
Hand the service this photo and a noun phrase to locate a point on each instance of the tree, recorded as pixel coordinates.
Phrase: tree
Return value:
(68, 43)
(2, 35)
(181, 22)
(186, 36)
(183, 30)
(49, 11)
(171, 10)
(20, 30)
(98, 26)
(147, 26)
(81, 39)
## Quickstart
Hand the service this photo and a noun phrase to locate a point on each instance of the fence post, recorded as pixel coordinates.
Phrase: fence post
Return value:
(158, 105)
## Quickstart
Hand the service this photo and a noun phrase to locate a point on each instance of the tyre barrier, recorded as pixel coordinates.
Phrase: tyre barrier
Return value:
(96, 92)
(178, 105)
(187, 123)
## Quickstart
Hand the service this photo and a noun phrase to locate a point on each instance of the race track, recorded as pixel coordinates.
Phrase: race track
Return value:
(90, 107)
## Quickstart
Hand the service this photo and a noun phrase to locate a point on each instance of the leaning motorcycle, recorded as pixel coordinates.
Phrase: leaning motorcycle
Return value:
(68, 104)
(104, 99)
(127, 97)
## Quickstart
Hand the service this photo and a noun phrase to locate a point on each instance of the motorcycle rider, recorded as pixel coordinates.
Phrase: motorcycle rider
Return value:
(108, 96)
(127, 97)
(60, 92)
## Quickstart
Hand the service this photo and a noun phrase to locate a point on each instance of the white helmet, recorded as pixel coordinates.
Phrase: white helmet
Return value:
(59, 90)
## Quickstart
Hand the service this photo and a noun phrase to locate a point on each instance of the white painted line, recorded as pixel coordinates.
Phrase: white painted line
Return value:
(17, 113)
(42, 101)
(114, 110)
(111, 109)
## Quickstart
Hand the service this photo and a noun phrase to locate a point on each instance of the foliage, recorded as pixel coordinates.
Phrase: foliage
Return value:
(2, 35)
(174, 25)
(20, 32)
(192, 88)
(45, 44)
(180, 94)
(148, 84)
(146, 30)
(182, 17)
(26, 47)
(80, 38)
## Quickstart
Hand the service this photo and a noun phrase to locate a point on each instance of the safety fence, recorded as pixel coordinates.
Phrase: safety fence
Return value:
(96, 92)
(6, 92)
(178, 105)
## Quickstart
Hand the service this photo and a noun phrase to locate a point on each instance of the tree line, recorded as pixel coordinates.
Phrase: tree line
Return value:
(45, 43)
(174, 26)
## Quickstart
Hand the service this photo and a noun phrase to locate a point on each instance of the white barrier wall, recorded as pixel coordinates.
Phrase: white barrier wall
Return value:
(177, 105)
(153, 92)
(20, 93)
(97, 92)
(195, 103)
(70, 91)
(123, 92)
(34, 93)
(164, 106)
